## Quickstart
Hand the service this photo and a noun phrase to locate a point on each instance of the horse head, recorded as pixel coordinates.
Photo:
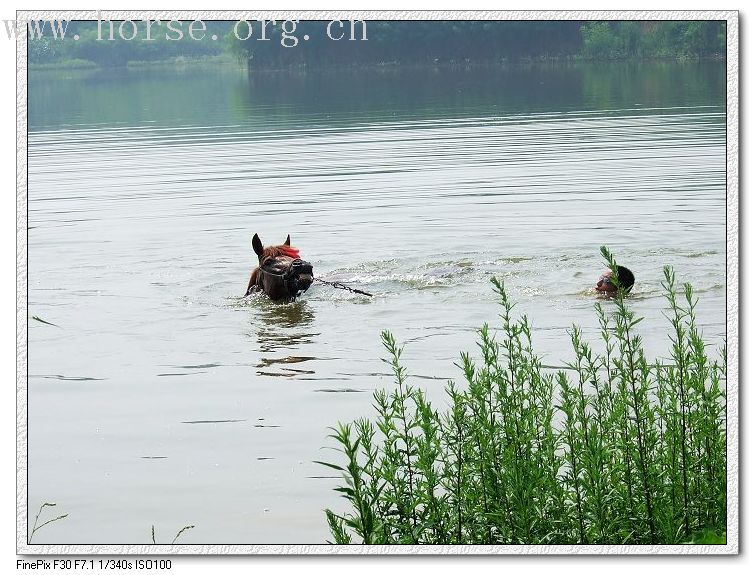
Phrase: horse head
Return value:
(281, 273)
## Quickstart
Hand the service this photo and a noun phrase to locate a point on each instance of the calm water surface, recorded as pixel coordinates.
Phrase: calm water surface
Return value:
(161, 397)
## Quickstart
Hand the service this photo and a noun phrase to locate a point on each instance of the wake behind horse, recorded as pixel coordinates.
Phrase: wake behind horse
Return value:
(281, 273)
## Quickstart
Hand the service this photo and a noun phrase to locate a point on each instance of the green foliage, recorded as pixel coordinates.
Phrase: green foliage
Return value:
(600, 41)
(389, 42)
(94, 45)
(43, 50)
(616, 449)
(643, 39)
(411, 43)
(708, 537)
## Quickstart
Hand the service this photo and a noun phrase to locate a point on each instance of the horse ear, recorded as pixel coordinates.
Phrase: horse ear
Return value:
(288, 240)
(257, 245)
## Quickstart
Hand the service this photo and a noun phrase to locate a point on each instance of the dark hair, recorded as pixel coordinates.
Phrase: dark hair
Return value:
(626, 278)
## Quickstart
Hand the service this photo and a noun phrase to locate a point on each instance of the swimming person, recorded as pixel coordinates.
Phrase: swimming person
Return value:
(606, 284)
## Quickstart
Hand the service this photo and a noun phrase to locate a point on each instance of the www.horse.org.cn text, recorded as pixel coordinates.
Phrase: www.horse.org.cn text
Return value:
(149, 29)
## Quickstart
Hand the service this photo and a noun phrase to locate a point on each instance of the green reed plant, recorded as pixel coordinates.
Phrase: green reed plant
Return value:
(36, 527)
(612, 449)
(178, 534)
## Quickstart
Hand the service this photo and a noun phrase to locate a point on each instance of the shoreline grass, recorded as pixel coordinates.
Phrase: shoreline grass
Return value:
(618, 449)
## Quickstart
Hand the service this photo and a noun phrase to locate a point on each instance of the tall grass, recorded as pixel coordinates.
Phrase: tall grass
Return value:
(180, 532)
(616, 449)
(36, 527)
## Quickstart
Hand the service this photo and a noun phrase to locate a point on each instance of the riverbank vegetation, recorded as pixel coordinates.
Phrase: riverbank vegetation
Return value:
(311, 44)
(615, 449)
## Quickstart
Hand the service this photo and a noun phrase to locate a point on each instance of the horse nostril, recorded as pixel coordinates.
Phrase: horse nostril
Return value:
(301, 267)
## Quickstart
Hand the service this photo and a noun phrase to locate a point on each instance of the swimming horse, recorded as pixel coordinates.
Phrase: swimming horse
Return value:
(281, 273)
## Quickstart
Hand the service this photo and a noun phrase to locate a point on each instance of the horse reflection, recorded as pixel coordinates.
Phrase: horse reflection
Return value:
(283, 331)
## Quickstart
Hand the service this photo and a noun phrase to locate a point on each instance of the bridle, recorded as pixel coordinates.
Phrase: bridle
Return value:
(288, 277)
(283, 275)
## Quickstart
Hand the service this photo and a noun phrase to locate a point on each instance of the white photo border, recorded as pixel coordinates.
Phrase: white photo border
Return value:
(732, 291)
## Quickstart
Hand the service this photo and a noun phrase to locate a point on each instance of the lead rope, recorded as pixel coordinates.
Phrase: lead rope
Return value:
(339, 285)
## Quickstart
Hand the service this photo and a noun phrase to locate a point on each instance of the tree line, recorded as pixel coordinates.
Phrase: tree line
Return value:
(315, 44)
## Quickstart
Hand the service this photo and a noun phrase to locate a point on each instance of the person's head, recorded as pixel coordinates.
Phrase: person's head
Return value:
(626, 280)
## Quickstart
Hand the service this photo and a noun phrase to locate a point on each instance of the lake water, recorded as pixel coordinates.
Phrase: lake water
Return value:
(161, 397)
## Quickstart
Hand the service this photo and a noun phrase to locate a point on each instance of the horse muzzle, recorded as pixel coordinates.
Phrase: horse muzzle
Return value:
(299, 277)
(284, 279)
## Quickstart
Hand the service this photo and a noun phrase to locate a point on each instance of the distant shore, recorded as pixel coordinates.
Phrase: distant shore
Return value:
(173, 62)
(228, 60)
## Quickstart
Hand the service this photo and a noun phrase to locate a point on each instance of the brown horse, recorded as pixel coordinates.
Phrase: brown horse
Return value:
(281, 274)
